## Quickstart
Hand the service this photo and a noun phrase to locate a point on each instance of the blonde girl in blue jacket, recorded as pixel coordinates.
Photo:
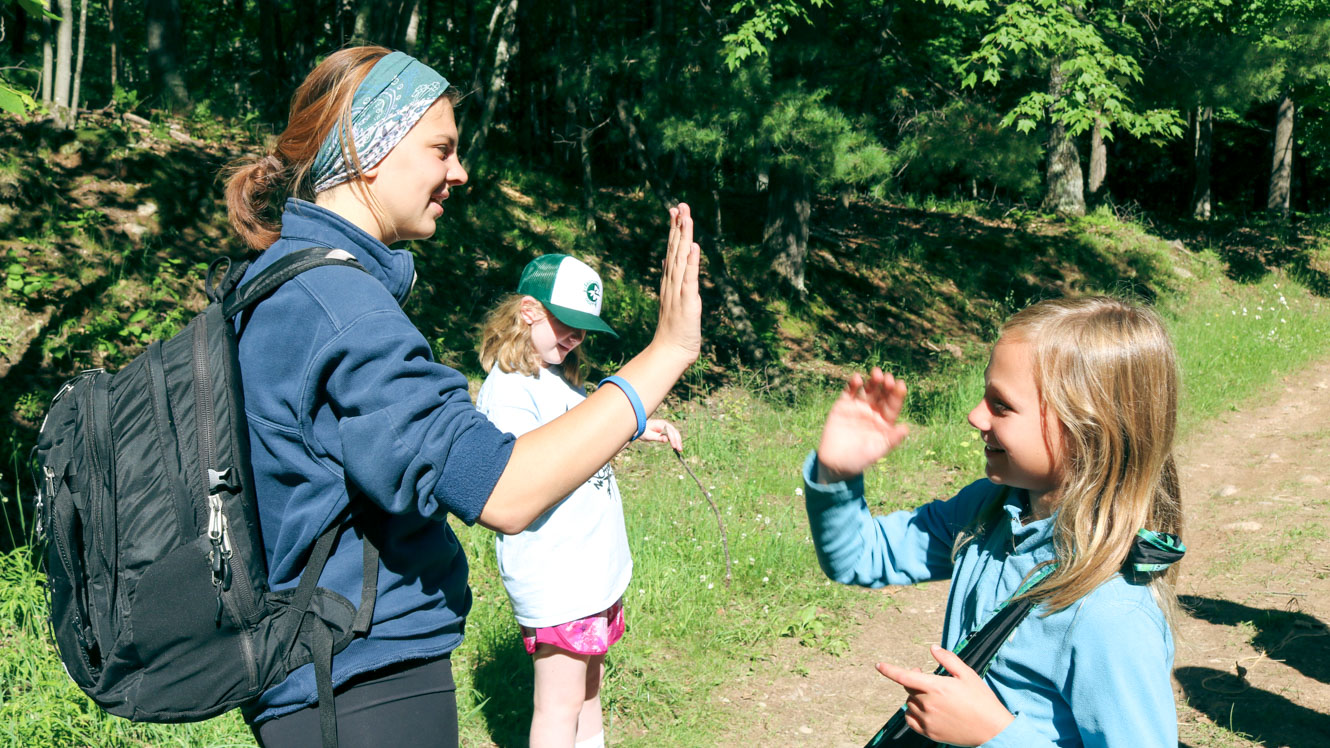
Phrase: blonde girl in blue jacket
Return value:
(1077, 419)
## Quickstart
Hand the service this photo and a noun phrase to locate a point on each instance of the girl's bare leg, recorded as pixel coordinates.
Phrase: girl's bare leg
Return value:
(560, 696)
(589, 721)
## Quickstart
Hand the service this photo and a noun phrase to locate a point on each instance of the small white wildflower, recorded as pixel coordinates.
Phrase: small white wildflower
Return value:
(1258, 316)
(764, 581)
(1283, 321)
(752, 560)
(711, 488)
(702, 577)
(710, 586)
(798, 492)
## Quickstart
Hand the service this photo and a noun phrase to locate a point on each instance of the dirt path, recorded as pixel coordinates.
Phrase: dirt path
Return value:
(1253, 659)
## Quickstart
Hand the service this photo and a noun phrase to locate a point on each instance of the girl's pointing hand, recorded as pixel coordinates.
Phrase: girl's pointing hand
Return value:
(956, 709)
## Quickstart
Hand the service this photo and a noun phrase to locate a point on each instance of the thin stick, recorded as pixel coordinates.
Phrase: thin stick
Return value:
(724, 538)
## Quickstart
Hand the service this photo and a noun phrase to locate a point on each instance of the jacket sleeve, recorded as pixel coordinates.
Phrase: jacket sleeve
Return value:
(854, 547)
(407, 434)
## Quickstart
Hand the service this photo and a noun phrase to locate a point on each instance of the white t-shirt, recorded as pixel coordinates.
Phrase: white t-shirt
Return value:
(573, 561)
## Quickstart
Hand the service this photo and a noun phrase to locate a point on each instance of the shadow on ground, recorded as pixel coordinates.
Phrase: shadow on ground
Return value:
(1293, 637)
(504, 682)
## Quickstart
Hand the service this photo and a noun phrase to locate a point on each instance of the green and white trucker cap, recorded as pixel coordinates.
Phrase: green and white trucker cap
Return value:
(569, 288)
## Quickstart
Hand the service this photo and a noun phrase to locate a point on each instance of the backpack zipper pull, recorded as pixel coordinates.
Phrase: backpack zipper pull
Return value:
(219, 558)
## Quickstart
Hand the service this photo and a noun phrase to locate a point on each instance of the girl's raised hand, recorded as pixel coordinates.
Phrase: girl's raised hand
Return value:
(956, 709)
(661, 430)
(861, 427)
(680, 323)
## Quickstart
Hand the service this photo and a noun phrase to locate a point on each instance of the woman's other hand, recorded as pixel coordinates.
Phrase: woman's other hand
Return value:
(661, 430)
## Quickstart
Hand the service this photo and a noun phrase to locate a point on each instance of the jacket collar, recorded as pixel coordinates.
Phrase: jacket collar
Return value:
(1029, 536)
(305, 224)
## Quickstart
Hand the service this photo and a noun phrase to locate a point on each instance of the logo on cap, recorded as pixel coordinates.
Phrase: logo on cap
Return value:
(593, 292)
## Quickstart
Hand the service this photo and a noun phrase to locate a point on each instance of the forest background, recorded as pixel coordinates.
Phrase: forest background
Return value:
(876, 181)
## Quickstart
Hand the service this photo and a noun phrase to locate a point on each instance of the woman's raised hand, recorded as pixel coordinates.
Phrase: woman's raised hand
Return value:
(861, 427)
(680, 323)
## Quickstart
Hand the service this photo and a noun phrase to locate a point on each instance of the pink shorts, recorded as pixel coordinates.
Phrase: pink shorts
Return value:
(592, 635)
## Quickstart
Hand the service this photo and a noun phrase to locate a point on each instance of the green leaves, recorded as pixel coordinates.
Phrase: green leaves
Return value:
(22, 282)
(769, 21)
(36, 8)
(1092, 46)
(15, 101)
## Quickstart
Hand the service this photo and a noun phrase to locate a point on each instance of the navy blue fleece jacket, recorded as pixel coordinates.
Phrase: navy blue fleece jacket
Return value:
(342, 392)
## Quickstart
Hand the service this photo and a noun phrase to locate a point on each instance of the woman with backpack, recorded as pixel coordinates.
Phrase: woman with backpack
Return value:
(348, 409)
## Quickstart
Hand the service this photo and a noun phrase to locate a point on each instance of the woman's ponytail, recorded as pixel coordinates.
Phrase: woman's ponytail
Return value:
(250, 191)
(257, 187)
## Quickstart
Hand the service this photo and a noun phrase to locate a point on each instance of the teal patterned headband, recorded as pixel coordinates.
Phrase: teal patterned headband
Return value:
(390, 101)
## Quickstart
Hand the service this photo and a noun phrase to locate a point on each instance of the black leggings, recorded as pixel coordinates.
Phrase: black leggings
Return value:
(406, 705)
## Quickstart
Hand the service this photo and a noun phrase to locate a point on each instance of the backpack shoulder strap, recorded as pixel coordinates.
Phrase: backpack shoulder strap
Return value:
(280, 272)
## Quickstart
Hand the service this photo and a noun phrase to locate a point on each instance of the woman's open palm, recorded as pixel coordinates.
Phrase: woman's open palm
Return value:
(861, 427)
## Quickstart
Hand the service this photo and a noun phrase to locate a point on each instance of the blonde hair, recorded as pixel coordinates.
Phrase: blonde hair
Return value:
(1106, 369)
(505, 341)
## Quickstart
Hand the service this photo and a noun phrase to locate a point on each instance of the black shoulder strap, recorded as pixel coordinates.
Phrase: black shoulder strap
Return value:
(278, 273)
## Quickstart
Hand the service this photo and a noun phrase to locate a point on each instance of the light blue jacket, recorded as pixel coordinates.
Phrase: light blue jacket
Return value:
(1096, 673)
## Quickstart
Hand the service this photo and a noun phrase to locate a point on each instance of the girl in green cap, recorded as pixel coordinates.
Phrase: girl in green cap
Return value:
(567, 572)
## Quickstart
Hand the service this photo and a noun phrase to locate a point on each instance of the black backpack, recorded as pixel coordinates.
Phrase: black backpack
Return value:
(157, 577)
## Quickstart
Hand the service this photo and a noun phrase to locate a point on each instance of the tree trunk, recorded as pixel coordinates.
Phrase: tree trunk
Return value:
(789, 205)
(304, 40)
(1281, 168)
(503, 25)
(64, 65)
(273, 63)
(427, 33)
(410, 31)
(166, 43)
(1098, 164)
(1065, 187)
(78, 61)
(18, 35)
(1204, 134)
(114, 33)
(48, 56)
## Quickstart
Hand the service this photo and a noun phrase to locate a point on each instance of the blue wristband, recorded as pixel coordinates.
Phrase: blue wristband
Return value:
(633, 399)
